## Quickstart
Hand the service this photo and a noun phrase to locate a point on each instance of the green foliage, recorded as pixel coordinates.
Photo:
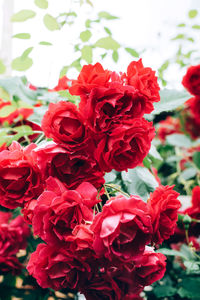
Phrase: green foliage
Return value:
(41, 3)
(23, 15)
(107, 43)
(23, 36)
(85, 35)
(106, 15)
(45, 43)
(192, 13)
(86, 53)
(23, 62)
(132, 52)
(51, 23)
(179, 140)
(2, 67)
(196, 159)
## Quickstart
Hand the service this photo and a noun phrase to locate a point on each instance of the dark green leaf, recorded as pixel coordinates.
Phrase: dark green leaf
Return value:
(196, 159)
(164, 291)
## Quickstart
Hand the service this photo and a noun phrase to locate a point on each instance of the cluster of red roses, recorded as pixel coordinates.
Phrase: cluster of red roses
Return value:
(13, 236)
(104, 255)
(190, 116)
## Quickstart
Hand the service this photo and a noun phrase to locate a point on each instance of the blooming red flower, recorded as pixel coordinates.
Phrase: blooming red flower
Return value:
(28, 210)
(63, 84)
(58, 211)
(10, 264)
(91, 76)
(149, 267)
(55, 268)
(126, 146)
(105, 107)
(122, 229)
(163, 206)
(20, 178)
(168, 126)
(63, 122)
(72, 168)
(191, 80)
(194, 106)
(145, 81)
(13, 234)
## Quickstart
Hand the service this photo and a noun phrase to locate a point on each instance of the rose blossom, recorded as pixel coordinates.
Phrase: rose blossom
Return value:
(144, 80)
(163, 206)
(149, 267)
(59, 210)
(55, 268)
(91, 76)
(191, 80)
(20, 178)
(105, 107)
(122, 229)
(126, 146)
(10, 264)
(63, 122)
(28, 211)
(72, 168)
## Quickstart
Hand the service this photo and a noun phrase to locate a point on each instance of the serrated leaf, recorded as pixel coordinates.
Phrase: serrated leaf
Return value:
(45, 43)
(51, 23)
(41, 3)
(196, 159)
(192, 13)
(2, 67)
(107, 16)
(179, 140)
(170, 100)
(20, 64)
(23, 15)
(85, 35)
(107, 43)
(86, 53)
(132, 51)
(115, 56)
(139, 181)
(24, 36)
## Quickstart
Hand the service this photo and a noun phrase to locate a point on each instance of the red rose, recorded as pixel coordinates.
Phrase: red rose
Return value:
(191, 80)
(122, 229)
(194, 106)
(72, 168)
(144, 80)
(20, 178)
(63, 84)
(168, 126)
(55, 268)
(58, 212)
(126, 146)
(105, 107)
(13, 235)
(91, 76)
(63, 122)
(10, 264)
(28, 211)
(163, 206)
(150, 267)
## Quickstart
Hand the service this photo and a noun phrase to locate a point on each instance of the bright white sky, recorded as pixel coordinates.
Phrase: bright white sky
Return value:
(143, 24)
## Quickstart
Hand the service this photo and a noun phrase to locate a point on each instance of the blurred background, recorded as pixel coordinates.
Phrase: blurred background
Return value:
(148, 27)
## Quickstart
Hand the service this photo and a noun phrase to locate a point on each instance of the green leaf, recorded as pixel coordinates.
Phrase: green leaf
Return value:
(196, 159)
(189, 287)
(45, 43)
(20, 64)
(26, 53)
(196, 27)
(85, 35)
(154, 153)
(7, 110)
(192, 266)
(139, 181)
(107, 30)
(2, 67)
(179, 140)
(170, 252)
(107, 43)
(107, 16)
(23, 130)
(179, 37)
(132, 52)
(115, 56)
(23, 15)
(51, 23)
(110, 177)
(188, 173)
(63, 71)
(164, 291)
(86, 53)
(192, 13)
(181, 25)
(24, 36)
(41, 3)
(170, 100)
